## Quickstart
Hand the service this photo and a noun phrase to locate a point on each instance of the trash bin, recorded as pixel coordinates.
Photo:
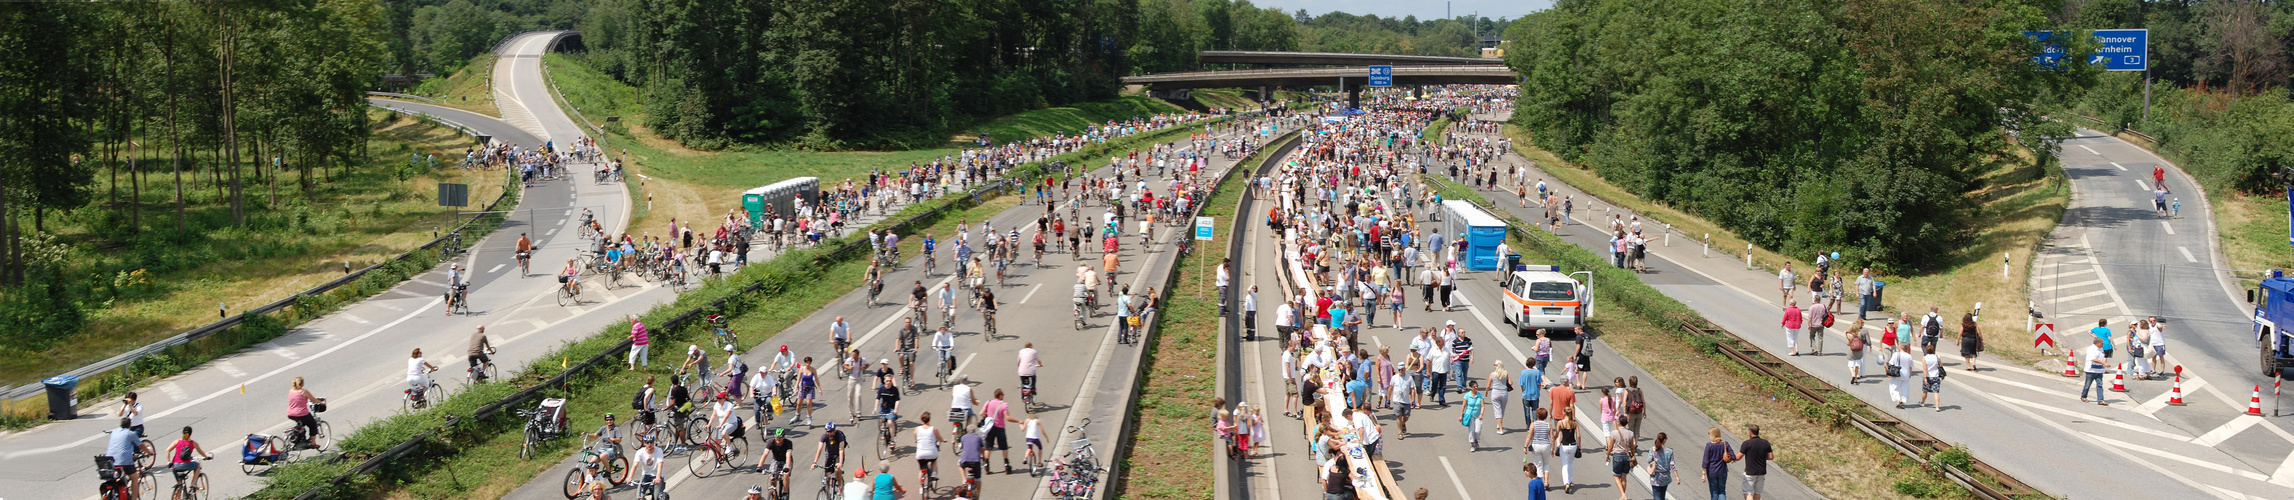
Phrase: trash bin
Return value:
(1513, 261)
(61, 403)
(1878, 288)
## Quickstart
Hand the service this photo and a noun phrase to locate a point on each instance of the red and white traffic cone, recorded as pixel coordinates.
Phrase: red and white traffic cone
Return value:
(2119, 380)
(2174, 398)
(2254, 405)
(2070, 369)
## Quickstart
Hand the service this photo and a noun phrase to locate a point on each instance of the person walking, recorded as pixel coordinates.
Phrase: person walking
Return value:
(1718, 455)
(1865, 286)
(1660, 467)
(1636, 404)
(1819, 319)
(1931, 384)
(1472, 417)
(1900, 375)
(1793, 320)
(1858, 339)
(1501, 383)
(639, 341)
(1611, 404)
(1757, 453)
(1532, 387)
(2094, 378)
(1536, 483)
(1970, 341)
(2159, 345)
(1785, 279)
(1565, 432)
(1539, 444)
(1620, 445)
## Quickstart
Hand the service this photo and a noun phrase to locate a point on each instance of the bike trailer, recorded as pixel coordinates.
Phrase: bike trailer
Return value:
(105, 469)
(553, 414)
(252, 453)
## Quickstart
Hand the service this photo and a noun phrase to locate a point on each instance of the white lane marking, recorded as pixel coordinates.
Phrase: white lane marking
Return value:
(355, 319)
(2089, 248)
(174, 392)
(2122, 168)
(2090, 150)
(2226, 431)
(966, 362)
(2096, 419)
(552, 231)
(2225, 469)
(283, 352)
(2078, 296)
(2170, 230)
(2143, 185)
(1031, 293)
(2285, 474)
(2067, 274)
(2032, 388)
(2189, 386)
(1454, 481)
(497, 268)
(390, 307)
(2092, 308)
(2068, 285)
(2098, 441)
(230, 369)
(2186, 254)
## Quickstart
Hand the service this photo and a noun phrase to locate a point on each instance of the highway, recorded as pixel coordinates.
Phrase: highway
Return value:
(1086, 373)
(2026, 421)
(355, 357)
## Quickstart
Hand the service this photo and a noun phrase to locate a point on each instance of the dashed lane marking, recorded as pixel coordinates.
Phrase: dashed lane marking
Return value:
(2122, 168)
(355, 319)
(2089, 150)
(2227, 430)
(2095, 419)
(2170, 229)
(231, 369)
(2069, 285)
(497, 268)
(2186, 254)
(2067, 274)
(2225, 469)
(1454, 481)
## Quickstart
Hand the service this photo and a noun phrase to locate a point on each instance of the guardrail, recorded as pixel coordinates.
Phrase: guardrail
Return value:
(396, 95)
(1229, 384)
(2119, 129)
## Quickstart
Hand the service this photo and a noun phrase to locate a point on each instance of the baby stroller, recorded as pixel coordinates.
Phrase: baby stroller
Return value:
(261, 454)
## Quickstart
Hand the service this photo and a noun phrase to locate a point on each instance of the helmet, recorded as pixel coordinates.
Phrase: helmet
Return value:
(831, 426)
(755, 490)
(784, 348)
(780, 431)
(646, 438)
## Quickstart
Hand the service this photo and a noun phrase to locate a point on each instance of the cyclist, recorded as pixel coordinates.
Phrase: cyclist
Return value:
(680, 411)
(571, 277)
(944, 343)
(831, 447)
(723, 417)
(907, 347)
(839, 332)
(928, 441)
(929, 245)
(763, 386)
(947, 303)
(987, 307)
(963, 255)
(453, 284)
(774, 462)
(916, 298)
(888, 402)
(299, 410)
(697, 360)
(969, 452)
(121, 449)
(1111, 263)
(480, 348)
(647, 460)
(784, 364)
(525, 252)
(179, 456)
(418, 373)
(734, 369)
(1029, 363)
(960, 401)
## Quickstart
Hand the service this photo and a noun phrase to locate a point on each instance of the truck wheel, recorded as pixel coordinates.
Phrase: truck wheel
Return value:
(2263, 346)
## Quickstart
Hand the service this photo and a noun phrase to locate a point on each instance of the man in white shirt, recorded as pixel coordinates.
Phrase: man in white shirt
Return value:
(1289, 383)
(2094, 378)
(1282, 322)
(1785, 278)
(1222, 281)
(961, 402)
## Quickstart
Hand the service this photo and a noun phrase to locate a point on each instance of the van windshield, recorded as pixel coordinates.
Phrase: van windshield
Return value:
(1551, 290)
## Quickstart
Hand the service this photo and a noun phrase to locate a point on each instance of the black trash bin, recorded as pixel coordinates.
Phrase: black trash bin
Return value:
(1513, 261)
(62, 404)
(1879, 288)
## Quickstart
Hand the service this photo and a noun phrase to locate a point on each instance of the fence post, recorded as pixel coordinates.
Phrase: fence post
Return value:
(1708, 252)
(1748, 256)
(1668, 235)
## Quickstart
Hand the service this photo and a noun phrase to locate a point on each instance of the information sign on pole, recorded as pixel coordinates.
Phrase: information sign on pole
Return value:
(1381, 76)
(2116, 50)
(1203, 228)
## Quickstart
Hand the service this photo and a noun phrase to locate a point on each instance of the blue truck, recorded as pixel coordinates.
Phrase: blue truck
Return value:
(2274, 311)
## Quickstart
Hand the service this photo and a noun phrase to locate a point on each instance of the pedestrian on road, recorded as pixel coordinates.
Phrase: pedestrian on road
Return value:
(1251, 313)
(1819, 319)
(1793, 320)
(1501, 383)
(1544, 350)
(1539, 444)
(1931, 329)
(1401, 400)
(2095, 358)
(1857, 340)
(1584, 360)
(1864, 288)
(1785, 279)
(2158, 346)
(1636, 404)
(1536, 484)
(1970, 341)
(1438, 362)
(1621, 448)
(1757, 454)
(1568, 453)
(1660, 467)
(2138, 343)
(1532, 387)
(1932, 368)
(1718, 455)
(1900, 375)
(1611, 405)
(1472, 417)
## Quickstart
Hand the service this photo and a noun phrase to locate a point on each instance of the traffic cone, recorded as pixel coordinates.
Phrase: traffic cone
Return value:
(2254, 405)
(2119, 380)
(2174, 398)
(2070, 369)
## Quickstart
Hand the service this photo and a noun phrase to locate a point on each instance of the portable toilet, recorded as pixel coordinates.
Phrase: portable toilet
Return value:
(1481, 231)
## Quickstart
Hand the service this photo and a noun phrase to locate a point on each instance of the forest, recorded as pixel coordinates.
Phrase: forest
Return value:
(1802, 125)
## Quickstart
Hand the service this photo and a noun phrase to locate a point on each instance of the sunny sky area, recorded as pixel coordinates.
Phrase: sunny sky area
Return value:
(1492, 9)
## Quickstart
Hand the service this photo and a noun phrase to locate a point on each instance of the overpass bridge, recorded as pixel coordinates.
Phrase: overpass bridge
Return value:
(1350, 79)
(1265, 58)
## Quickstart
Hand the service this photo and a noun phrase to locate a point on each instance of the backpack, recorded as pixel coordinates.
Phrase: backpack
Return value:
(1827, 319)
(1932, 327)
(1634, 405)
(637, 402)
(1855, 342)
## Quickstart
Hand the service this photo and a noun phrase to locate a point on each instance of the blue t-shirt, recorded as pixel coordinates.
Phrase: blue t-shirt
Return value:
(1356, 392)
(883, 488)
(1529, 378)
(2102, 333)
(928, 245)
(1537, 489)
(1337, 317)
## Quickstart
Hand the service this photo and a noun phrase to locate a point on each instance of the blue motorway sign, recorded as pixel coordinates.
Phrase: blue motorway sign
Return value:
(2117, 50)
(1381, 76)
(1203, 227)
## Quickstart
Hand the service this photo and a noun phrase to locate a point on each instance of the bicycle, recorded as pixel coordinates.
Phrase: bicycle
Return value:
(885, 427)
(481, 372)
(567, 294)
(830, 488)
(907, 368)
(875, 287)
(420, 398)
(722, 331)
(988, 322)
(930, 262)
(717, 454)
(947, 365)
(461, 301)
(115, 485)
(616, 470)
(188, 486)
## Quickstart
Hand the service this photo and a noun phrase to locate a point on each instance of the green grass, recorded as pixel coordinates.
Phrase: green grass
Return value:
(470, 88)
(376, 211)
(1223, 98)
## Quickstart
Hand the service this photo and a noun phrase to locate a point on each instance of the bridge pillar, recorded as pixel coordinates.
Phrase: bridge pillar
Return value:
(1354, 97)
(1266, 93)
(1418, 91)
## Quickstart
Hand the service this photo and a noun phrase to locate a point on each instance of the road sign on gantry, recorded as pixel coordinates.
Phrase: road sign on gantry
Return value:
(2117, 50)
(1381, 76)
(1203, 228)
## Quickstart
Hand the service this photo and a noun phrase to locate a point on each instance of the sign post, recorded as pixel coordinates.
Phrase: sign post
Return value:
(2117, 50)
(1381, 76)
(1203, 227)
